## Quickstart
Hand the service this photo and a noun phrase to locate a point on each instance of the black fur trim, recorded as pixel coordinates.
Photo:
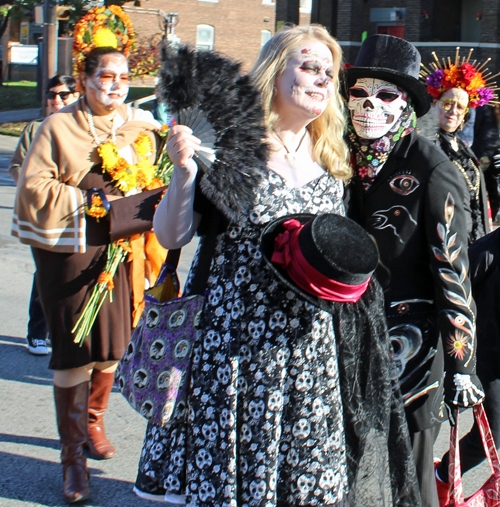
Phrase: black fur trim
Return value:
(232, 104)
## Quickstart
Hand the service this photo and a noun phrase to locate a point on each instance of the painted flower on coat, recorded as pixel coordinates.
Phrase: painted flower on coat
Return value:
(457, 344)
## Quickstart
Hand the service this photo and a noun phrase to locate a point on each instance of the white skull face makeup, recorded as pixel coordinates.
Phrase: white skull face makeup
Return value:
(451, 109)
(108, 87)
(306, 85)
(375, 106)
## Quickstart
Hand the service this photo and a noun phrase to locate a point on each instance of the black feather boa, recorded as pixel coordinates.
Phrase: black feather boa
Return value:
(232, 104)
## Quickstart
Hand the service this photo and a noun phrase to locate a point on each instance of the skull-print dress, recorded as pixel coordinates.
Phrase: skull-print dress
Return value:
(264, 422)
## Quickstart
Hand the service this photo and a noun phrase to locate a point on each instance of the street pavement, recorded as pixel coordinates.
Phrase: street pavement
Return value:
(30, 473)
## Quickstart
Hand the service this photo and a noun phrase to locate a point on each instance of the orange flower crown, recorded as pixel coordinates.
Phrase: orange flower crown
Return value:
(102, 27)
(472, 77)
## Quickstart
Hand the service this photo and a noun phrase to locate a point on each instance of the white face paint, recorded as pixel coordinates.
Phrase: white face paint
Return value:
(108, 87)
(375, 107)
(306, 85)
(451, 108)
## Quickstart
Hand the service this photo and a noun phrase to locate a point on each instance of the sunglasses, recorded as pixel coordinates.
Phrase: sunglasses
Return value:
(383, 95)
(52, 95)
(447, 105)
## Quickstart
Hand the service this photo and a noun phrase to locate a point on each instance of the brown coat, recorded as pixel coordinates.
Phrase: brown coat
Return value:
(49, 208)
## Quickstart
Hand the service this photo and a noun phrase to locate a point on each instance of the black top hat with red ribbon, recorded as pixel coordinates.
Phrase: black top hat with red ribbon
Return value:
(323, 258)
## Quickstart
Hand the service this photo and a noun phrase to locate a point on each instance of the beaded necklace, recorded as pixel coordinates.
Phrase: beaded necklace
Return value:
(447, 137)
(93, 133)
(474, 188)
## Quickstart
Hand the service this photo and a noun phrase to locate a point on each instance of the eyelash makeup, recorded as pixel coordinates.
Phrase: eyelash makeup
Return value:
(315, 67)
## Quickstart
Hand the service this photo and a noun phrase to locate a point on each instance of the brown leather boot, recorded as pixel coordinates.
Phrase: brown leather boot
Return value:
(72, 416)
(98, 445)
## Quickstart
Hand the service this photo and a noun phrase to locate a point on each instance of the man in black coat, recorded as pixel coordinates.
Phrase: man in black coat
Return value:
(406, 193)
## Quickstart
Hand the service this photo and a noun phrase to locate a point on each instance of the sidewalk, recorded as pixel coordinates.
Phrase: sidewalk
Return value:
(23, 115)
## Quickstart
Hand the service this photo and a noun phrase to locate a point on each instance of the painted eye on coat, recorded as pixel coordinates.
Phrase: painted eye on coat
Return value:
(404, 184)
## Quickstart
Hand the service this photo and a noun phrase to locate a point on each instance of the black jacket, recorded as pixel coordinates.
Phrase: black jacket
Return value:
(415, 210)
(484, 256)
(477, 219)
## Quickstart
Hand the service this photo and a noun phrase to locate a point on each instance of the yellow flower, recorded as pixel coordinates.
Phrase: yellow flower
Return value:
(145, 173)
(109, 155)
(143, 145)
(105, 38)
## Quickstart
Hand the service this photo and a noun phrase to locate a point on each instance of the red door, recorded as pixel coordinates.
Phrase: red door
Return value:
(396, 31)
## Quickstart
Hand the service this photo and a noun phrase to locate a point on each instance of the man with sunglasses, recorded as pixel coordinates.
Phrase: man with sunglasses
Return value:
(406, 193)
(61, 92)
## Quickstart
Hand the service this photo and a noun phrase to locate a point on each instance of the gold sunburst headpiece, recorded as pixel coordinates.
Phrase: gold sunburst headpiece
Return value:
(102, 27)
(473, 77)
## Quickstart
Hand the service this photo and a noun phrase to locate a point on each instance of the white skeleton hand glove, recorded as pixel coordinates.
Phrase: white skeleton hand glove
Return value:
(496, 161)
(464, 391)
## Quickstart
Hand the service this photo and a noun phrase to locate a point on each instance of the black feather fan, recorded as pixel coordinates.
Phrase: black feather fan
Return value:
(208, 90)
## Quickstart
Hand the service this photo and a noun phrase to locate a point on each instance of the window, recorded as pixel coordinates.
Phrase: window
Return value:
(265, 35)
(205, 35)
(268, 2)
(305, 6)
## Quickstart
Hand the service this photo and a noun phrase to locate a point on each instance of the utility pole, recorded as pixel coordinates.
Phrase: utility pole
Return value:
(50, 29)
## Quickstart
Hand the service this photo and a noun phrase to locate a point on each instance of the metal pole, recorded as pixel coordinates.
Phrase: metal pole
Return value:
(50, 29)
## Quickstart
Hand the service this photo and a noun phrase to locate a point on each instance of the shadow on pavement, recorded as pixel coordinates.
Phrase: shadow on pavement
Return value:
(25, 440)
(18, 365)
(39, 482)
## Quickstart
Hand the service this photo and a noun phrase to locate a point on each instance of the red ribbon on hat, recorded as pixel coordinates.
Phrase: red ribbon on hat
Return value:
(287, 254)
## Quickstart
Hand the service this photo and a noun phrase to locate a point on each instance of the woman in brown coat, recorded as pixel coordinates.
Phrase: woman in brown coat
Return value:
(70, 251)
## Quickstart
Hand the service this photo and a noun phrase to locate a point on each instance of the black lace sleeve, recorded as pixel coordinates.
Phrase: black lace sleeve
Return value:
(379, 456)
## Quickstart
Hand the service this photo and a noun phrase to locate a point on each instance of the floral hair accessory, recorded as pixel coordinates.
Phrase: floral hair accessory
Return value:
(102, 27)
(472, 77)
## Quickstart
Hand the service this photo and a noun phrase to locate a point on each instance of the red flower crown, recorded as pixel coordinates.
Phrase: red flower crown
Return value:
(471, 77)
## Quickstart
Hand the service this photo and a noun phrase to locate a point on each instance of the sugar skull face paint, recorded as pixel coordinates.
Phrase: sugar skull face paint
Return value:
(375, 106)
(306, 84)
(451, 109)
(108, 87)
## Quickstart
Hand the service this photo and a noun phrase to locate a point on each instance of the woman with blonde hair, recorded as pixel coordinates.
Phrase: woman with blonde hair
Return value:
(264, 424)
(326, 130)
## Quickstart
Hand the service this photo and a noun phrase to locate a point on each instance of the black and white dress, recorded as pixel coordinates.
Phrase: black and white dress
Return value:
(264, 426)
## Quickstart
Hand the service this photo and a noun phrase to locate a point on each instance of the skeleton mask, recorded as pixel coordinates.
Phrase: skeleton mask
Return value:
(375, 106)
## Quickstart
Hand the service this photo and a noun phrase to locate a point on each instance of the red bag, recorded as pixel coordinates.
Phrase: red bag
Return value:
(489, 494)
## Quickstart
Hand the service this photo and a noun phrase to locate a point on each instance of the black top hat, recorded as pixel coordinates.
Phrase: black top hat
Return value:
(391, 59)
(335, 246)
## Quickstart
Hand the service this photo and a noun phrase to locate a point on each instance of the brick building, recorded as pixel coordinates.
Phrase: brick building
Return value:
(431, 25)
(237, 28)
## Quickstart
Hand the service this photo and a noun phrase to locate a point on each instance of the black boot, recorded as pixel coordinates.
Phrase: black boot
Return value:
(72, 420)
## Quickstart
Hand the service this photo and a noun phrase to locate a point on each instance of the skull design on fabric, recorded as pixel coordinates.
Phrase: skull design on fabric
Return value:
(375, 106)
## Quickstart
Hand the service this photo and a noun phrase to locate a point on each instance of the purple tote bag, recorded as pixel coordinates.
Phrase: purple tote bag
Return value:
(154, 372)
